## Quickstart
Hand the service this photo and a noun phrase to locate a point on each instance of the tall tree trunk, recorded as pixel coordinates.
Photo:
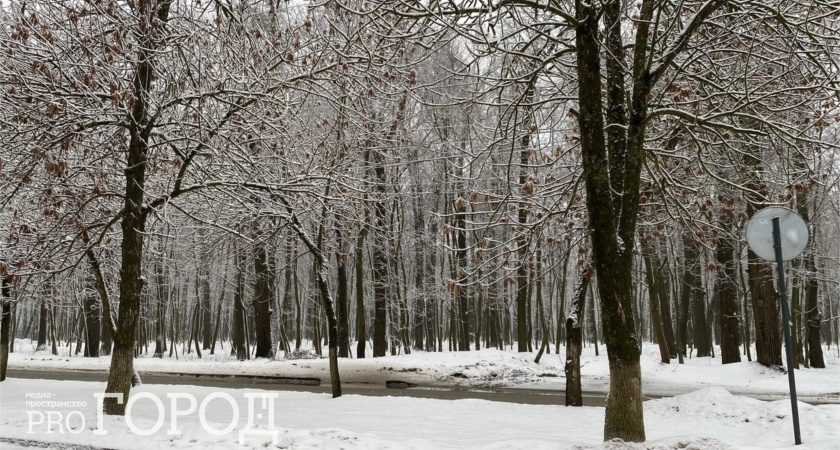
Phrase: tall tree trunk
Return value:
(42, 326)
(689, 286)
(342, 295)
(134, 210)
(160, 310)
(92, 321)
(768, 338)
(768, 342)
(5, 323)
(380, 258)
(574, 393)
(522, 336)
(561, 302)
(700, 324)
(419, 307)
(238, 338)
(726, 289)
(796, 341)
(651, 272)
(361, 331)
(664, 284)
(107, 343)
(262, 303)
(460, 238)
(217, 323)
(321, 274)
(612, 169)
(815, 353)
(206, 309)
(812, 311)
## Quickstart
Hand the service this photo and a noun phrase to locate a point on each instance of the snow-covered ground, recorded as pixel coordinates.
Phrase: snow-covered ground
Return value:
(485, 368)
(709, 416)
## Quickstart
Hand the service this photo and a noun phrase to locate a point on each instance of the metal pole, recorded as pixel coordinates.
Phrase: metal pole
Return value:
(777, 244)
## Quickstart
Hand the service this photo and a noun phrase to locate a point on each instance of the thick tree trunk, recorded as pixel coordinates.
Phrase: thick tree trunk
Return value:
(380, 259)
(107, 342)
(728, 314)
(134, 212)
(768, 338)
(574, 393)
(262, 304)
(361, 331)
(768, 341)
(5, 324)
(522, 335)
(810, 283)
(92, 319)
(160, 311)
(612, 180)
(701, 328)
(463, 317)
(815, 353)
(664, 285)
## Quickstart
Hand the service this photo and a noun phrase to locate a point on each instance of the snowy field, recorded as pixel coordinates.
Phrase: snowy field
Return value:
(712, 414)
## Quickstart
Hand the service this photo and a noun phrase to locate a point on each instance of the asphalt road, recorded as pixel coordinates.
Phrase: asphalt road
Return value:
(525, 396)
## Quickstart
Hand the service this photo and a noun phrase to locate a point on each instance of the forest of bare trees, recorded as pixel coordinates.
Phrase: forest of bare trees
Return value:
(363, 178)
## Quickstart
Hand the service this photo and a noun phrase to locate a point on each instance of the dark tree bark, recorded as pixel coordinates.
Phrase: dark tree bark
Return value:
(206, 309)
(92, 318)
(134, 211)
(217, 323)
(5, 324)
(690, 286)
(810, 284)
(342, 295)
(262, 303)
(768, 337)
(289, 304)
(419, 308)
(815, 353)
(460, 239)
(700, 323)
(664, 285)
(107, 343)
(160, 310)
(321, 274)
(768, 341)
(726, 290)
(107, 320)
(380, 259)
(361, 331)
(42, 326)
(238, 346)
(651, 275)
(522, 335)
(574, 394)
